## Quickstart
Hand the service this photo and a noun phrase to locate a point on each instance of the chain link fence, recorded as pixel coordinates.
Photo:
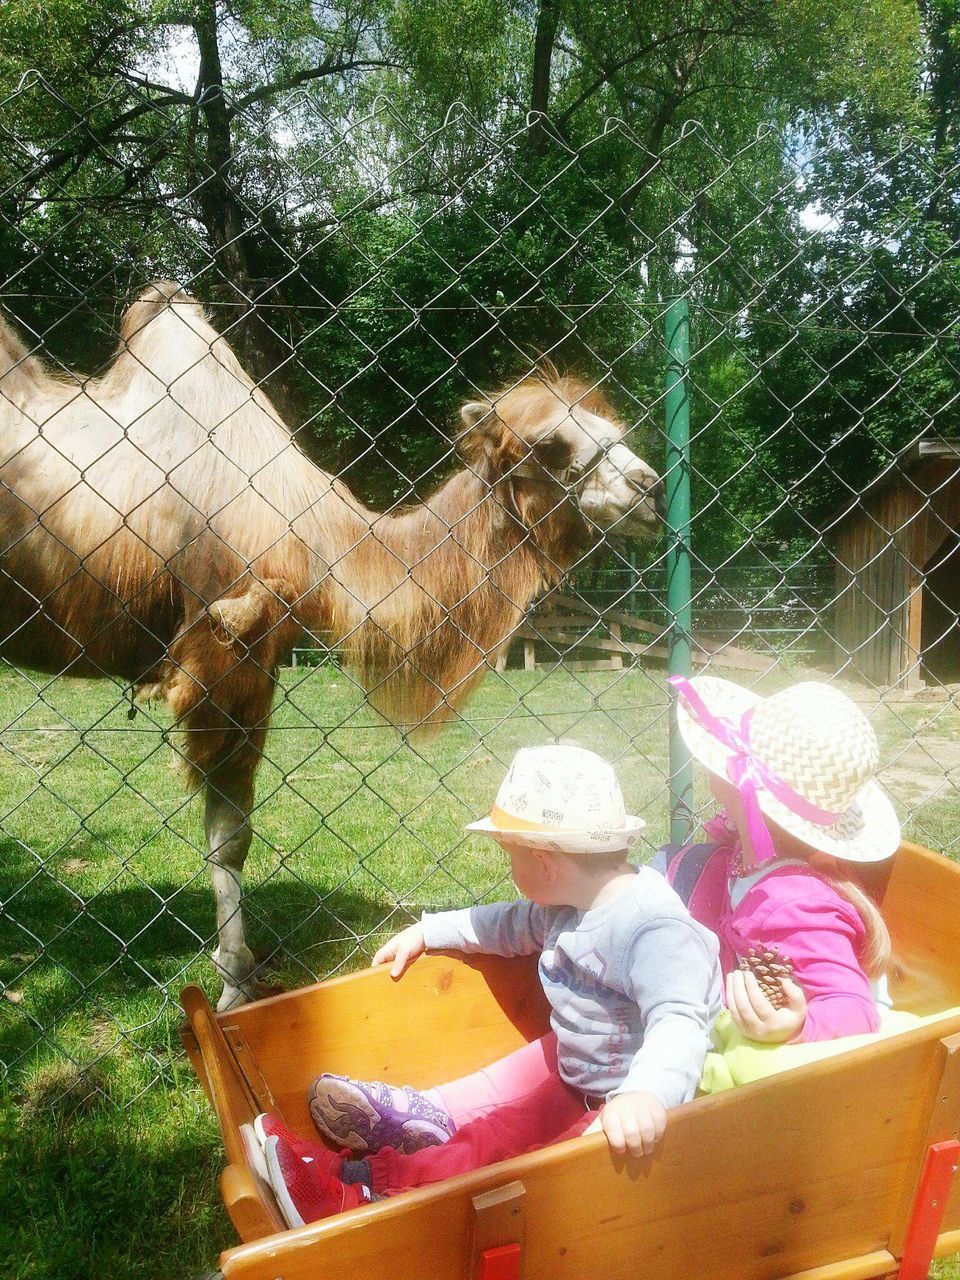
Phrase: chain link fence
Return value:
(406, 299)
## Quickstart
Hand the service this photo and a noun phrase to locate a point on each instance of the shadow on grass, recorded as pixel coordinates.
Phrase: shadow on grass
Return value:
(86, 977)
(105, 1198)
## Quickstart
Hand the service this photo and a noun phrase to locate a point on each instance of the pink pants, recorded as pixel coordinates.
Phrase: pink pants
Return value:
(505, 1080)
(549, 1112)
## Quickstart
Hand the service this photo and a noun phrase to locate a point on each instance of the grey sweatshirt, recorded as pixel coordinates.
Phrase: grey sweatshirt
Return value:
(633, 984)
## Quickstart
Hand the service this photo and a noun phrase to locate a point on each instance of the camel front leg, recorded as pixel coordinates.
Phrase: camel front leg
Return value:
(220, 688)
(227, 823)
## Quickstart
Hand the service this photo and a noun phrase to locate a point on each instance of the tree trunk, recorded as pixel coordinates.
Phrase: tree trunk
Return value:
(266, 356)
(943, 65)
(546, 34)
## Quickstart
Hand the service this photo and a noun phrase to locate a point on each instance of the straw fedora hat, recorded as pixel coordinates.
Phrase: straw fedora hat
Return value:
(811, 750)
(561, 798)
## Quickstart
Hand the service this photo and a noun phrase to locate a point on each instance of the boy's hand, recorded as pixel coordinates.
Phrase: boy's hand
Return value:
(403, 948)
(633, 1123)
(756, 1017)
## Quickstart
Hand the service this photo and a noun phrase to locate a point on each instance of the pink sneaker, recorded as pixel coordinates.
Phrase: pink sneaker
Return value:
(307, 1188)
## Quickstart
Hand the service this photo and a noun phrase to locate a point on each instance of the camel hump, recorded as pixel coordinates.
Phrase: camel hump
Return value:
(13, 350)
(154, 299)
(20, 370)
(164, 290)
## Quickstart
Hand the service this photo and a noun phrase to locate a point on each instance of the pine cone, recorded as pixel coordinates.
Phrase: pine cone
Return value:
(769, 967)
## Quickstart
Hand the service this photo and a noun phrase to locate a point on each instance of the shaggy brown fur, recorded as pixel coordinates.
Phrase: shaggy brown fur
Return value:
(159, 525)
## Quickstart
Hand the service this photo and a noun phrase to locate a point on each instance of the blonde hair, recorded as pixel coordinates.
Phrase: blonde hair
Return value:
(875, 954)
(876, 946)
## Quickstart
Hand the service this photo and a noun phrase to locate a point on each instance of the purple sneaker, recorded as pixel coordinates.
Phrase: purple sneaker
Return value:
(365, 1115)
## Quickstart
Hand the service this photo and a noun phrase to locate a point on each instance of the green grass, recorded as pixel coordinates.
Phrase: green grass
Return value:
(106, 911)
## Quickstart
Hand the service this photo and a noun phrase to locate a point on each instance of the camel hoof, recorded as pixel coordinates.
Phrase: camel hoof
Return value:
(247, 993)
(232, 998)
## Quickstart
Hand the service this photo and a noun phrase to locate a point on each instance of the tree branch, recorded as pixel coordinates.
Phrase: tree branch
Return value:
(174, 95)
(369, 204)
(95, 138)
(328, 68)
(114, 199)
(658, 128)
(636, 56)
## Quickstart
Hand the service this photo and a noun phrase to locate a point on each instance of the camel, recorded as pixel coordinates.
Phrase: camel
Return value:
(160, 526)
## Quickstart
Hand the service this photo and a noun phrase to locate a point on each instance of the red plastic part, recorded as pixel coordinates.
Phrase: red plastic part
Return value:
(501, 1263)
(928, 1210)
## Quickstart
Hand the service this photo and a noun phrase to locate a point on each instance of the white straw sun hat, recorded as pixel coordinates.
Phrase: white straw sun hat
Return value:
(811, 754)
(564, 799)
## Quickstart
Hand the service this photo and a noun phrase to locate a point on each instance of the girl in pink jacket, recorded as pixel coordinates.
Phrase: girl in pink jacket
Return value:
(803, 949)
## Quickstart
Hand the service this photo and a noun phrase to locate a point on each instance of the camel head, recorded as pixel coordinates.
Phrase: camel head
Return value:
(560, 444)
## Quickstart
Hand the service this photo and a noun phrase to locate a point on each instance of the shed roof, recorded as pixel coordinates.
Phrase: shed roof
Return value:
(905, 462)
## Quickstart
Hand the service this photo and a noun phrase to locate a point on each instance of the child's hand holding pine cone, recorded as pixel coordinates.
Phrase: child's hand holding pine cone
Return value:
(769, 967)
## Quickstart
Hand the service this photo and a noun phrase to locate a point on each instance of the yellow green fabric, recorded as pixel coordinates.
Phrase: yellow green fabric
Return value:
(737, 1060)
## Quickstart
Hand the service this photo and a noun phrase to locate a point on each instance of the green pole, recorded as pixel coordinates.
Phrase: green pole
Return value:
(680, 614)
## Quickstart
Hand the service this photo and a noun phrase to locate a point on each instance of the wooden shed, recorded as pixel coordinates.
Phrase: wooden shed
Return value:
(897, 552)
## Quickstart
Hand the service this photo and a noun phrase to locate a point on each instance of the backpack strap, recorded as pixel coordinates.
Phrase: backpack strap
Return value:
(683, 865)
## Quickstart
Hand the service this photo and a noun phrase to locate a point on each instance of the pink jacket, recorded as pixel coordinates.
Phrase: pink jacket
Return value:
(791, 908)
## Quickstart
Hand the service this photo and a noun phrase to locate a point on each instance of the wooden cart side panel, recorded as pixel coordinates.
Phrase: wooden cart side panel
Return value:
(921, 905)
(230, 1098)
(761, 1182)
(251, 1208)
(446, 1016)
(248, 1201)
(943, 1122)
(868, 1266)
(192, 1050)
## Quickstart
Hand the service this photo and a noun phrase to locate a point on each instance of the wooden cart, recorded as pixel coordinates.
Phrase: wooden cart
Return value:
(837, 1170)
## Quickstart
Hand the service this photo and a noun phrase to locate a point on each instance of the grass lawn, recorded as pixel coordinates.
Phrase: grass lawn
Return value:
(106, 911)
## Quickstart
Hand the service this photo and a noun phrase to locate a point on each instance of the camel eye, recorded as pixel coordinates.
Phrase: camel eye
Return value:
(553, 453)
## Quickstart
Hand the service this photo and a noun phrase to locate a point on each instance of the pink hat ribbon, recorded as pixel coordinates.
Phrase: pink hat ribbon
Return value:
(747, 773)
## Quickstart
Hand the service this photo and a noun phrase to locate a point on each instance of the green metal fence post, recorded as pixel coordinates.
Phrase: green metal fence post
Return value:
(677, 484)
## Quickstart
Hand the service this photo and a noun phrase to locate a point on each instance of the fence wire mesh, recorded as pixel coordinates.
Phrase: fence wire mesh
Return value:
(175, 560)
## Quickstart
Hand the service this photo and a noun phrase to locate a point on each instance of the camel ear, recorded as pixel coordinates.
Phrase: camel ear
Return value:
(473, 414)
(475, 442)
